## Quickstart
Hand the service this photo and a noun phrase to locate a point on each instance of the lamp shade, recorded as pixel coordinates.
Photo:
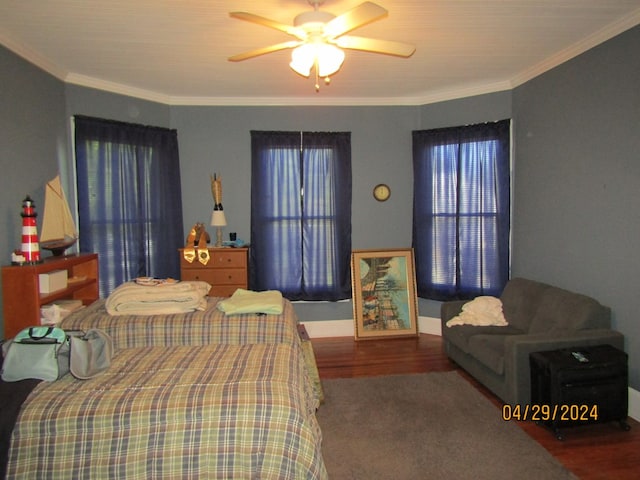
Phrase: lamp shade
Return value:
(329, 59)
(302, 59)
(218, 219)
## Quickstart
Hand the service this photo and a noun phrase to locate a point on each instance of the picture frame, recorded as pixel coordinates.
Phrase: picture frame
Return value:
(384, 293)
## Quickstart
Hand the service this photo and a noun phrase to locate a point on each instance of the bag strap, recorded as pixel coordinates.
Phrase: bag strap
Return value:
(41, 334)
(34, 336)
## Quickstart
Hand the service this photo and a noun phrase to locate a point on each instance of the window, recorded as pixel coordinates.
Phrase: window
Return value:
(129, 199)
(461, 210)
(301, 214)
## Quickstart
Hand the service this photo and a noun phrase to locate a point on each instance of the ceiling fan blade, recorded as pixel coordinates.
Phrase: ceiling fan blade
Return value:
(364, 13)
(376, 46)
(261, 51)
(250, 17)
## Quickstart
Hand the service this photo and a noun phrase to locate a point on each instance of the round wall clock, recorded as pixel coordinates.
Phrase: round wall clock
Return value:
(381, 192)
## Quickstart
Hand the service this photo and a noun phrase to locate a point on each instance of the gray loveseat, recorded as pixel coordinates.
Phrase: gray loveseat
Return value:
(541, 317)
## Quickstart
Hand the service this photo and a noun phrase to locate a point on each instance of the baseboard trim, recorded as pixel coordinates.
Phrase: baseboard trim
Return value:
(344, 328)
(329, 328)
(429, 325)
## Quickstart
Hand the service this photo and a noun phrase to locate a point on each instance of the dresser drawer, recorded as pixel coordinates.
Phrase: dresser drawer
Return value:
(197, 274)
(226, 270)
(219, 258)
(228, 258)
(222, 276)
(229, 276)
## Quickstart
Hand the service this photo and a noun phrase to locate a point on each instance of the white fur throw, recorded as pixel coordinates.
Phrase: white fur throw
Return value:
(481, 310)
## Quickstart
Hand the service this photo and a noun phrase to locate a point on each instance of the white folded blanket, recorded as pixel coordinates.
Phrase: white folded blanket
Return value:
(133, 299)
(247, 301)
(483, 310)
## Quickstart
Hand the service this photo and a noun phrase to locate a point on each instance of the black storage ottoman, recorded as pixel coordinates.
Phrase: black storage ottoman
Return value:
(579, 385)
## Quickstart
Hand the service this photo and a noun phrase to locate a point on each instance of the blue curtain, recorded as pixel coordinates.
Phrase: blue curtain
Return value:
(301, 214)
(461, 210)
(129, 199)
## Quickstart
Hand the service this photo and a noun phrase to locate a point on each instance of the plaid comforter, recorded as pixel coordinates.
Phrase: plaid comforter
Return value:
(210, 326)
(193, 328)
(217, 411)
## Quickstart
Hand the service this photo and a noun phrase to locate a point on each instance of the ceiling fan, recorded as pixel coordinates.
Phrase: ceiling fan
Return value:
(321, 36)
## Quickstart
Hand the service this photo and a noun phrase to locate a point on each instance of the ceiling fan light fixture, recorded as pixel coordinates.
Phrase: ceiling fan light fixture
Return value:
(327, 58)
(303, 59)
(321, 38)
(330, 59)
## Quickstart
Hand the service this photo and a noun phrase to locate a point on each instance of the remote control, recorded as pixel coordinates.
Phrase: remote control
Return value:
(580, 357)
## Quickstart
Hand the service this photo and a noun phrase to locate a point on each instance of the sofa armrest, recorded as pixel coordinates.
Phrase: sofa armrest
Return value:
(518, 347)
(448, 310)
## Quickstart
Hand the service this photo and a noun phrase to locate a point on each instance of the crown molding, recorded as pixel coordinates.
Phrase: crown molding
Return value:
(113, 87)
(32, 56)
(601, 36)
(423, 98)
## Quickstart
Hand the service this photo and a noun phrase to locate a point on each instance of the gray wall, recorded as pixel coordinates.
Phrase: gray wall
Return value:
(96, 103)
(33, 141)
(576, 220)
(217, 139)
(577, 181)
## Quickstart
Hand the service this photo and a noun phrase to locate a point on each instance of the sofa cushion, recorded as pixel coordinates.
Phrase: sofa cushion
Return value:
(520, 300)
(563, 310)
(460, 335)
(488, 350)
(450, 309)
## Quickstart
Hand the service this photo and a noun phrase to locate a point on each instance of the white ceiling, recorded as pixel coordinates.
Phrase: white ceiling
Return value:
(175, 51)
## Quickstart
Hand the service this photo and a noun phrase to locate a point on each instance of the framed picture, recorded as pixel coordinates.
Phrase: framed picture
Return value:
(384, 293)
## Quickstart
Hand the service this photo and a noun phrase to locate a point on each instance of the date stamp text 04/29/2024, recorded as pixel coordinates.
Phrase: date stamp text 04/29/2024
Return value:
(550, 413)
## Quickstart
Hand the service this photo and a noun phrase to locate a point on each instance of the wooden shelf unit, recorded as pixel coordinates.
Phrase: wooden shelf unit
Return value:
(226, 271)
(21, 295)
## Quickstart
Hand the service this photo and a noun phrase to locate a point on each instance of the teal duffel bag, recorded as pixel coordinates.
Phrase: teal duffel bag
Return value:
(36, 352)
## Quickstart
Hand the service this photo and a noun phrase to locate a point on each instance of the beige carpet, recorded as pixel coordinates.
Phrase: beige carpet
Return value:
(424, 426)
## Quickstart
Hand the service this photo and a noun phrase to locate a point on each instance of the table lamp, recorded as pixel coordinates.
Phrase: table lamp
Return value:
(218, 220)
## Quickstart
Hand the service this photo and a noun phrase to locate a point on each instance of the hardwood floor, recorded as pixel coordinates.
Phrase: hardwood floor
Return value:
(601, 451)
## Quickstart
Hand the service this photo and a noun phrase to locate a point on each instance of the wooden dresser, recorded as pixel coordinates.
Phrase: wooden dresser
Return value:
(226, 270)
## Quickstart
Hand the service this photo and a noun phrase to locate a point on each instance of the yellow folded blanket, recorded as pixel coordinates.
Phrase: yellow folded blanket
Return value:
(133, 299)
(247, 301)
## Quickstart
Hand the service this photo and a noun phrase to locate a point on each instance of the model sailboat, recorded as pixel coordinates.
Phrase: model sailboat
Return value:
(58, 228)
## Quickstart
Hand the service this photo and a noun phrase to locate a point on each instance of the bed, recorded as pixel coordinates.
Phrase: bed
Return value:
(198, 394)
(207, 411)
(199, 327)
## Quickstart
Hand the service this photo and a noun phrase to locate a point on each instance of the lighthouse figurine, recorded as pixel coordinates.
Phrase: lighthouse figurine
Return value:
(30, 245)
